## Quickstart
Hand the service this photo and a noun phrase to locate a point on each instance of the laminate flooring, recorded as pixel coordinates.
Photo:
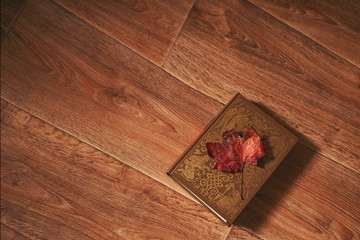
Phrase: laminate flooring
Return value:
(99, 98)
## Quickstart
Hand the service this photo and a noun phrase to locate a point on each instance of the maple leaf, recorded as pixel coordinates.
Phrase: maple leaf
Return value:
(234, 151)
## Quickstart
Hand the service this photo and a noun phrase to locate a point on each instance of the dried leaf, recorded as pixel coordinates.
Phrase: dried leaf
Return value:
(234, 151)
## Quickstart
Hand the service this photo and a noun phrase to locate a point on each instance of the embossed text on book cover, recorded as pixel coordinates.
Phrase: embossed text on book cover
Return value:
(226, 194)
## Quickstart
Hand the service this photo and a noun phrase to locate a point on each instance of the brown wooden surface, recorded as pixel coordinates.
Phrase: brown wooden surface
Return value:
(229, 46)
(9, 233)
(301, 201)
(112, 122)
(54, 186)
(148, 27)
(334, 24)
(136, 109)
(10, 9)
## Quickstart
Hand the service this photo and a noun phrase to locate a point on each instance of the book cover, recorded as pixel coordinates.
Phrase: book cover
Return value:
(220, 191)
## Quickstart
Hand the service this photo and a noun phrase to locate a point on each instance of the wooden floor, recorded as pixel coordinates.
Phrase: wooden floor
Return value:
(99, 98)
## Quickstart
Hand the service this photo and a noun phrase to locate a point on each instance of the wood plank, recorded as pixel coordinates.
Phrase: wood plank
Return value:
(10, 9)
(147, 27)
(54, 186)
(85, 83)
(229, 46)
(37, 226)
(10, 234)
(308, 197)
(240, 233)
(334, 24)
(3, 35)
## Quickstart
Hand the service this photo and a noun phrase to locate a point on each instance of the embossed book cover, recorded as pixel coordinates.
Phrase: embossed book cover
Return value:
(224, 193)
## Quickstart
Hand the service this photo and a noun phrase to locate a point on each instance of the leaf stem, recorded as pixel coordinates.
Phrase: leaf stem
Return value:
(242, 183)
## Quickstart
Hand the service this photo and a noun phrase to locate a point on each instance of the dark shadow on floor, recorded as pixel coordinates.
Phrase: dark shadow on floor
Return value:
(279, 183)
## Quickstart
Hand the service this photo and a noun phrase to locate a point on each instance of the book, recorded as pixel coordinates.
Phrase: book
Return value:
(222, 192)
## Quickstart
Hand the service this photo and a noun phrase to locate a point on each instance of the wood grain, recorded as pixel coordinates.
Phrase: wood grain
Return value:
(82, 81)
(3, 35)
(65, 62)
(147, 27)
(37, 226)
(301, 201)
(240, 233)
(10, 9)
(10, 234)
(54, 186)
(229, 46)
(332, 23)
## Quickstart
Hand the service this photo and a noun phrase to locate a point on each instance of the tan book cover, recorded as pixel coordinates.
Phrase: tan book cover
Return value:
(220, 191)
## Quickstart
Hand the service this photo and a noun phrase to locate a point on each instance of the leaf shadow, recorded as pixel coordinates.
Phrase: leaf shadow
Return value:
(269, 198)
(269, 153)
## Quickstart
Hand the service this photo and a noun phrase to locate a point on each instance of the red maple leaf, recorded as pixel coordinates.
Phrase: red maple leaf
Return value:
(234, 151)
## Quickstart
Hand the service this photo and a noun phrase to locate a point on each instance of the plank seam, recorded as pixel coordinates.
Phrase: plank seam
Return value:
(95, 147)
(14, 229)
(295, 29)
(116, 40)
(16, 18)
(45, 216)
(179, 79)
(138, 54)
(177, 36)
(312, 149)
(246, 230)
